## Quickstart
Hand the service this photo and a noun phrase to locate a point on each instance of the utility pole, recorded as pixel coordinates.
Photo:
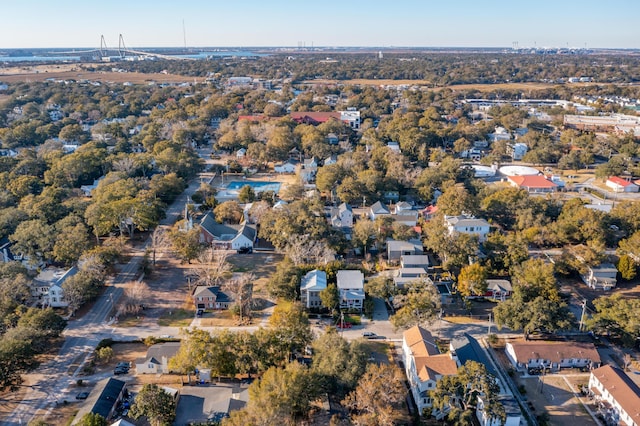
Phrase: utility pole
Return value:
(489, 332)
(584, 307)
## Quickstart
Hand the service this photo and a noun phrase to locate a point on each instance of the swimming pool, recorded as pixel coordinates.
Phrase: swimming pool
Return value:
(236, 185)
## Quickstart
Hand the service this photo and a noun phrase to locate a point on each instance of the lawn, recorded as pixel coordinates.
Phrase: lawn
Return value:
(176, 318)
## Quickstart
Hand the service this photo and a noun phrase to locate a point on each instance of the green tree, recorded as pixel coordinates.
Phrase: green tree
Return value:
(462, 393)
(104, 354)
(246, 194)
(34, 239)
(627, 267)
(380, 286)
(186, 243)
(338, 364)
(617, 315)
(419, 305)
(93, 419)
(364, 232)
(330, 297)
(155, 404)
(285, 281)
(281, 396)
(228, 212)
(291, 325)
(472, 280)
(377, 399)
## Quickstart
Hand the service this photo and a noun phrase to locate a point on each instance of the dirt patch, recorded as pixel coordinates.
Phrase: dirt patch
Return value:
(79, 72)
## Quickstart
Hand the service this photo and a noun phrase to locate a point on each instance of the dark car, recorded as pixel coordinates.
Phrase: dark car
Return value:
(119, 370)
(245, 250)
(82, 395)
(125, 365)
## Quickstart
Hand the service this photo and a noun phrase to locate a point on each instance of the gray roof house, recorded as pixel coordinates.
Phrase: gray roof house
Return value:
(103, 400)
(601, 277)
(211, 297)
(397, 249)
(351, 289)
(414, 261)
(467, 224)
(378, 209)
(232, 237)
(342, 216)
(157, 359)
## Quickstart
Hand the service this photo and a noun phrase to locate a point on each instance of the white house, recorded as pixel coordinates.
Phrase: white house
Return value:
(618, 184)
(287, 167)
(310, 287)
(234, 237)
(552, 355)
(498, 289)
(397, 249)
(47, 289)
(241, 153)
(405, 276)
(378, 209)
(602, 277)
(500, 134)
(517, 150)
(467, 224)
(424, 364)
(351, 117)
(157, 359)
(342, 216)
(351, 289)
(620, 395)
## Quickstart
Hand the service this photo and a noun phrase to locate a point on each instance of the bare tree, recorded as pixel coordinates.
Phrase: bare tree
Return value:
(125, 165)
(135, 294)
(302, 249)
(159, 240)
(241, 287)
(213, 267)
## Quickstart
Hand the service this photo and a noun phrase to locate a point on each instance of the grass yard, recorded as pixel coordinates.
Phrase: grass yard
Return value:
(176, 318)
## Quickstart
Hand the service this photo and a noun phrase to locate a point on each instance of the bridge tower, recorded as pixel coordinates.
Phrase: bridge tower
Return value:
(122, 50)
(104, 50)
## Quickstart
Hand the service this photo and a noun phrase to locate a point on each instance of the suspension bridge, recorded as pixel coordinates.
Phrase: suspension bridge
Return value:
(106, 53)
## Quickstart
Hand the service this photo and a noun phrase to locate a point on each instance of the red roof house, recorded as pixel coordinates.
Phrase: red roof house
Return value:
(534, 183)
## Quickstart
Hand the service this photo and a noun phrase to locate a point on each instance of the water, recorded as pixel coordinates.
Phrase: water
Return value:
(258, 186)
(39, 58)
(199, 55)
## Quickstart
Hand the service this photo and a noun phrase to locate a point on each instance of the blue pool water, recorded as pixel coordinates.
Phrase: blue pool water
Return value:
(257, 186)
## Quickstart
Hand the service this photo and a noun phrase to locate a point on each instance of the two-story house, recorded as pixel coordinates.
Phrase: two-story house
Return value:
(424, 365)
(467, 224)
(210, 297)
(311, 285)
(351, 289)
(342, 216)
(157, 359)
(46, 288)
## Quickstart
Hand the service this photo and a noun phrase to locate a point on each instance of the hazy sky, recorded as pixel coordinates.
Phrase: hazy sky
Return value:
(499, 23)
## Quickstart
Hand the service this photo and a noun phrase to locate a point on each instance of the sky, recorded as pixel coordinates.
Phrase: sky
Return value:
(381, 23)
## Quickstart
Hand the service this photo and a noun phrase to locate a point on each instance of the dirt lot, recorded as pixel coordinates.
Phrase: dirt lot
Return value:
(79, 72)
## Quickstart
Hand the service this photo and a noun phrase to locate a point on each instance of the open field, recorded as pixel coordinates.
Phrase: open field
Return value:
(387, 82)
(78, 72)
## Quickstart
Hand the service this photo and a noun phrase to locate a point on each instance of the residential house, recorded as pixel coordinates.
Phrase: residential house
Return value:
(397, 249)
(314, 117)
(424, 365)
(402, 206)
(342, 216)
(46, 288)
(311, 285)
(533, 184)
(234, 237)
(498, 289)
(209, 404)
(103, 400)
(210, 297)
(377, 210)
(601, 277)
(500, 134)
(414, 261)
(466, 348)
(352, 117)
(619, 395)
(288, 166)
(332, 159)
(351, 289)
(618, 184)
(405, 276)
(241, 153)
(394, 147)
(332, 139)
(407, 218)
(157, 359)
(517, 150)
(308, 170)
(552, 355)
(467, 224)
(88, 189)
(391, 196)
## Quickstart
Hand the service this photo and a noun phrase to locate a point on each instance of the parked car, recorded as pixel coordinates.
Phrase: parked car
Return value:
(245, 250)
(82, 395)
(345, 325)
(119, 370)
(199, 312)
(369, 335)
(122, 364)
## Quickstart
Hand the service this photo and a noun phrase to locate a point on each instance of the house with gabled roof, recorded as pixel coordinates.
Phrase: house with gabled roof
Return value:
(104, 399)
(533, 184)
(397, 249)
(617, 184)
(424, 365)
(351, 289)
(553, 355)
(46, 287)
(157, 359)
(342, 216)
(210, 297)
(467, 224)
(619, 395)
(600, 277)
(234, 237)
(377, 210)
(311, 285)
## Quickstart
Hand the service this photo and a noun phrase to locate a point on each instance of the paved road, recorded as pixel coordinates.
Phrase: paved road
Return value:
(83, 335)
